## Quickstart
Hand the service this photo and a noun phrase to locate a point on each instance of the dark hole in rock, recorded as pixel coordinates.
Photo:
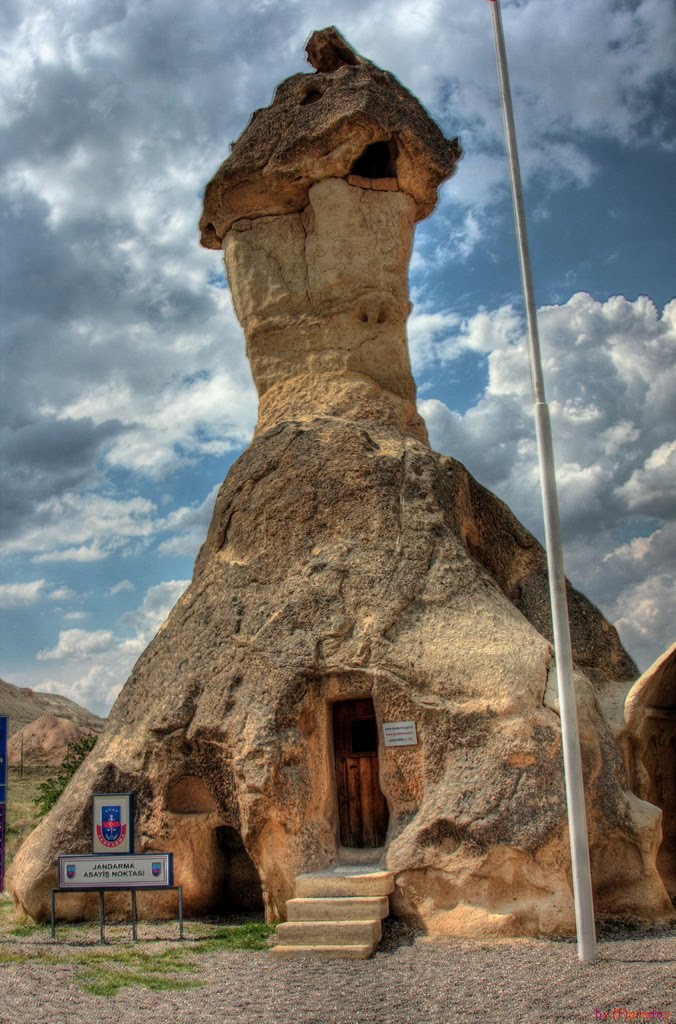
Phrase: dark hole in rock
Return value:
(210, 232)
(377, 161)
(312, 97)
(364, 736)
(241, 884)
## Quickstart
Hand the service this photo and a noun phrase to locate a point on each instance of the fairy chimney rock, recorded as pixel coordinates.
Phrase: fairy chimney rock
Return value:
(315, 210)
(352, 579)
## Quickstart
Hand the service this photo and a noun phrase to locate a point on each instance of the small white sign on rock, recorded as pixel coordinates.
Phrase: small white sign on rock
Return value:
(400, 734)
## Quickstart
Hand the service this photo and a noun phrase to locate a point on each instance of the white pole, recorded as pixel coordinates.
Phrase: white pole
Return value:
(570, 737)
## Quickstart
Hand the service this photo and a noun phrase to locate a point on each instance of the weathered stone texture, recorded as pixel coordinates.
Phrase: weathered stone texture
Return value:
(323, 298)
(317, 127)
(346, 560)
(337, 566)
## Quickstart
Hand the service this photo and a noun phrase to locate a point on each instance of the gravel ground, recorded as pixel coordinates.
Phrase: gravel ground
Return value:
(411, 980)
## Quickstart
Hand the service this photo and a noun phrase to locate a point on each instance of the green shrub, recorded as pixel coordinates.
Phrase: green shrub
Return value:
(51, 789)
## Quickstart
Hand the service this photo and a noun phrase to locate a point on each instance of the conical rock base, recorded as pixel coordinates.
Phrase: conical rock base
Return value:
(345, 562)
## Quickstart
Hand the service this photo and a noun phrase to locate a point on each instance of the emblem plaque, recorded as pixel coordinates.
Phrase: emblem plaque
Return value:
(113, 823)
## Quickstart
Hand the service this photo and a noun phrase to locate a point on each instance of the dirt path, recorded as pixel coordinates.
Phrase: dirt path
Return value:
(423, 982)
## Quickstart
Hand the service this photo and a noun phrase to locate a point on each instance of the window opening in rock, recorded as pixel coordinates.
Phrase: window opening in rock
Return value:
(377, 161)
(312, 96)
(364, 736)
(241, 889)
(362, 809)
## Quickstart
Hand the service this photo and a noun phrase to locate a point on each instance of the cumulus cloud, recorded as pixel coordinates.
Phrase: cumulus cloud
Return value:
(610, 368)
(91, 666)
(15, 595)
(188, 526)
(78, 644)
(650, 488)
(82, 527)
(157, 603)
(124, 586)
(125, 363)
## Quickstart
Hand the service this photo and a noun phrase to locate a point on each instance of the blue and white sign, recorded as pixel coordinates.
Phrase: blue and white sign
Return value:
(400, 734)
(116, 871)
(113, 823)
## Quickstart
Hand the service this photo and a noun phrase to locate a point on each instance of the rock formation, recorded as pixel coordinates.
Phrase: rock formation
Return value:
(347, 562)
(23, 705)
(44, 742)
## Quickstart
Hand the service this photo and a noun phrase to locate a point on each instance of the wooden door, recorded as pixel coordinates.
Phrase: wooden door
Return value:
(362, 808)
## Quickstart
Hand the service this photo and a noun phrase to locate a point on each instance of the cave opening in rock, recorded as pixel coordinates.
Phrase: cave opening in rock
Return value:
(377, 161)
(241, 885)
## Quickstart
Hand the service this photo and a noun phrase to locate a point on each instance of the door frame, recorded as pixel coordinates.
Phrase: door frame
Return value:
(379, 817)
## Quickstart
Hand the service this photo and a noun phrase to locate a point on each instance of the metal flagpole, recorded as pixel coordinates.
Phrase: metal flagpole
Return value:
(570, 737)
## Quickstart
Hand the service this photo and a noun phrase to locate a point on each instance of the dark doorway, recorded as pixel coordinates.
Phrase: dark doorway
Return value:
(377, 161)
(241, 885)
(362, 809)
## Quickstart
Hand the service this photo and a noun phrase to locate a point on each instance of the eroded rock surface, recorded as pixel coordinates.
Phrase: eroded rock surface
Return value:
(323, 299)
(338, 565)
(347, 561)
(320, 126)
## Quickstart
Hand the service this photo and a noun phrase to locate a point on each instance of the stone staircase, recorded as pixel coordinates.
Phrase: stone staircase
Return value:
(337, 912)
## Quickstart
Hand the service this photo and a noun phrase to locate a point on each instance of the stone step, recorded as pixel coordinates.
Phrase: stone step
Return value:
(336, 952)
(329, 933)
(344, 882)
(339, 908)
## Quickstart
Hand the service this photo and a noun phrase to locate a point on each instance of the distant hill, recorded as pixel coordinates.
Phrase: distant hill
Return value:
(23, 706)
(44, 743)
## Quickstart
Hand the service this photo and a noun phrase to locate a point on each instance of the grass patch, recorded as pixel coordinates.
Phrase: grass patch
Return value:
(167, 961)
(107, 981)
(104, 971)
(253, 935)
(8, 957)
(24, 930)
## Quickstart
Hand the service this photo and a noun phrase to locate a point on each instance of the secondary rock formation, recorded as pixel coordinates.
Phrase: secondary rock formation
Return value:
(44, 742)
(22, 705)
(351, 578)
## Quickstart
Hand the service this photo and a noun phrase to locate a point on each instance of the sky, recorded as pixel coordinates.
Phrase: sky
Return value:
(126, 394)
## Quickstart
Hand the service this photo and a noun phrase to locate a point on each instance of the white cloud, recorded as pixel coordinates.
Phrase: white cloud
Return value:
(124, 586)
(646, 611)
(83, 527)
(651, 487)
(78, 644)
(61, 594)
(93, 553)
(189, 525)
(157, 603)
(91, 667)
(17, 595)
(609, 367)
(428, 335)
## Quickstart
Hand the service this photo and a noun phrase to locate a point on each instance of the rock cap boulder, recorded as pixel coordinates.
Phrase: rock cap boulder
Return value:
(349, 117)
